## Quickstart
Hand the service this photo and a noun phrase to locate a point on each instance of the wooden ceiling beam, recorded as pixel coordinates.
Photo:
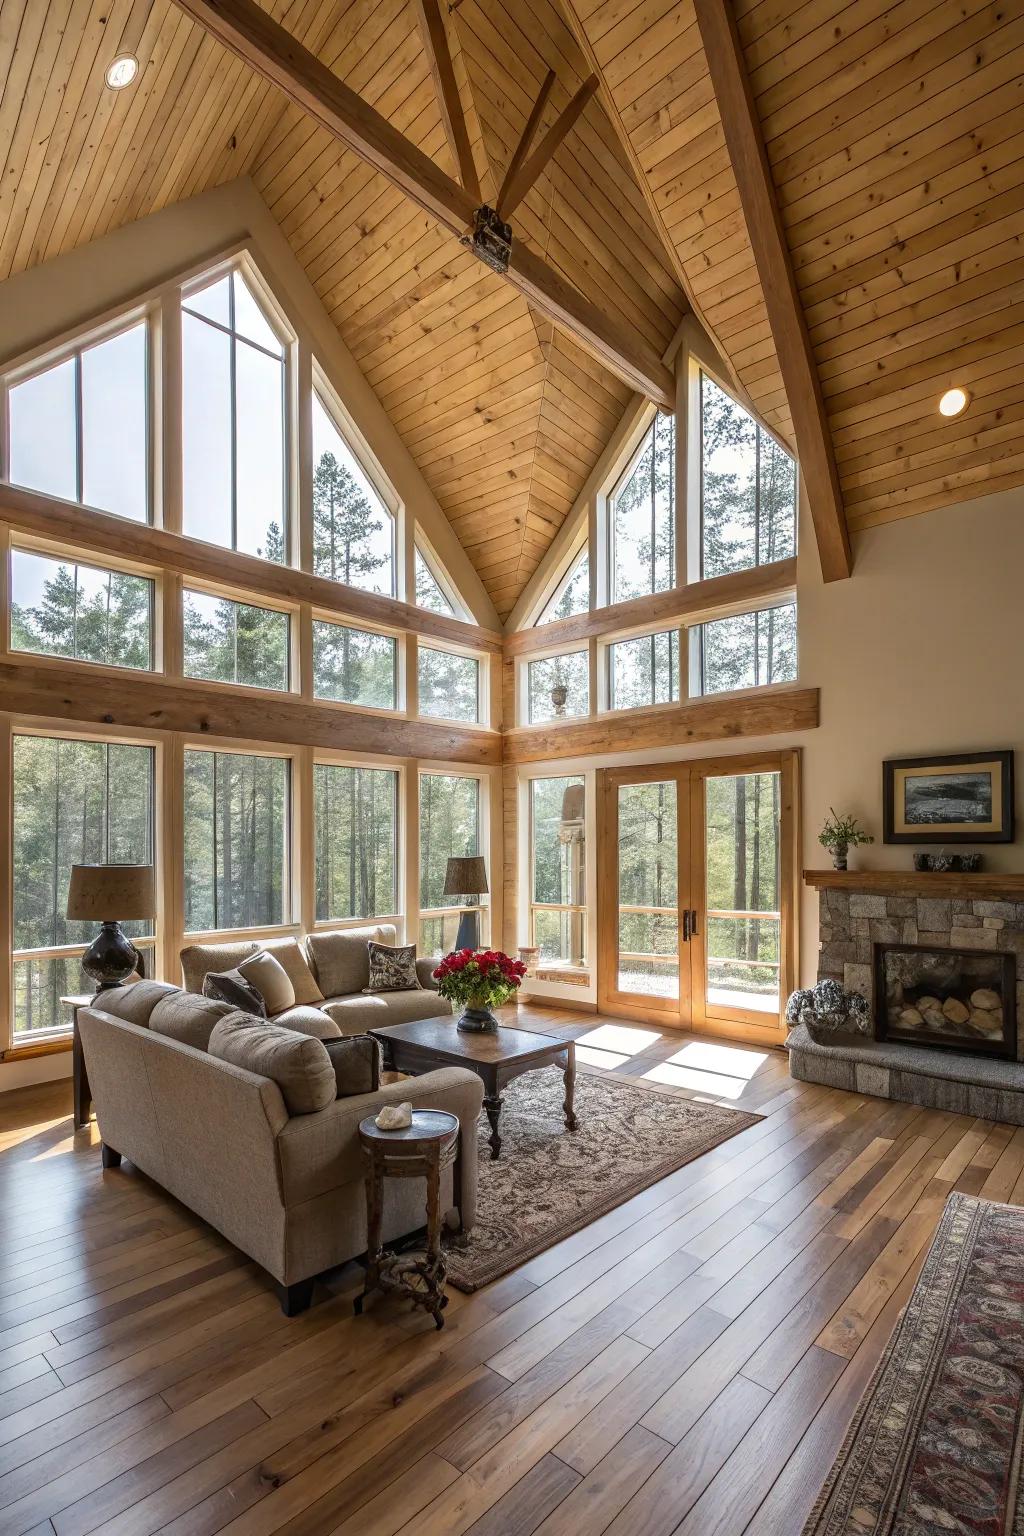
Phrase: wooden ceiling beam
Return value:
(517, 185)
(435, 40)
(723, 49)
(248, 31)
(522, 149)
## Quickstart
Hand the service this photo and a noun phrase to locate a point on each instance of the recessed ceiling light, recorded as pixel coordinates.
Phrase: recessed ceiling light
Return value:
(121, 71)
(953, 402)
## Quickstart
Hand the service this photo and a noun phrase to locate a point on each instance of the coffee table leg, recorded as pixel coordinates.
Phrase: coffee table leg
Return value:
(570, 1088)
(492, 1104)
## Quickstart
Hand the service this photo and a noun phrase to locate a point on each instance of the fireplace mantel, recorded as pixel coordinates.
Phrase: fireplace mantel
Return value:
(915, 882)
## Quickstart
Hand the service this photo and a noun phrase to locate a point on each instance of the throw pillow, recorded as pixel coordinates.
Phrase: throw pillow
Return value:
(392, 968)
(356, 1063)
(270, 979)
(290, 954)
(232, 987)
(298, 1064)
(188, 1017)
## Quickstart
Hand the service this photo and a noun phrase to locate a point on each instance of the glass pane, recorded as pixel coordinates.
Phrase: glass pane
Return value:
(748, 488)
(228, 642)
(643, 525)
(645, 670)
(449, 685)
(648, 919)
(356, 831)
(259, 386)
(428, 592)
(749, 650)
(236, 837)
(449, 828)
(39, 986)
(206, 432)
(43, 603)
(44, 453)
(213, 301)
(82, 612)
(559, 687)
(742, 854)
(573, 596)
(75, 802)
(353, 531)
(354, 666)
(558, 855)
(250, 321)
(115, 449)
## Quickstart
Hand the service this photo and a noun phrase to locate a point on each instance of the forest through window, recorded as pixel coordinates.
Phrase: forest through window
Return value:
(229, 642)
(355, 814)
(236, 840)
(748, 488)
(81, 612)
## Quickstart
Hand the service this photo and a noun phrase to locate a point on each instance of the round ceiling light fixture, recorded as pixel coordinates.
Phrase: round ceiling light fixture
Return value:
(953, 402)
(121, 71)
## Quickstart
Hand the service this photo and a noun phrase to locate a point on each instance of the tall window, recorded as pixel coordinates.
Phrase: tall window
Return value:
(75, 802)
(643, 521)
(429, 592)
(747, 488)
(236, 840)
(354, 666)
(449, 828)
(558, 898)
(356, 835)
(449, 684)
(748, 650)
(558, 687)
(572, 595)
(233, 421)
(743, 916)
(79, 430)
(61, 608)
(353, 531)
(228, 642)
(644, 670)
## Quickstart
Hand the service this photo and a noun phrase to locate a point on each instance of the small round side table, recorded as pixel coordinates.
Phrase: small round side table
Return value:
(419, 1151)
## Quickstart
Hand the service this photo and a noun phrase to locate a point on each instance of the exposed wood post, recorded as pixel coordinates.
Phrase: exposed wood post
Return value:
(522, 149)
(741, 125)
(518, 184)
(435, 39)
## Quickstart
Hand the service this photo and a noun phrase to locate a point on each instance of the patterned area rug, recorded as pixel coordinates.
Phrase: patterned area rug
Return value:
(935, 1446)
(549, 1182)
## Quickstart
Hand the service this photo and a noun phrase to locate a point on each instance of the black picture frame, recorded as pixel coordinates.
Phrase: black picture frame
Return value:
(899, 828)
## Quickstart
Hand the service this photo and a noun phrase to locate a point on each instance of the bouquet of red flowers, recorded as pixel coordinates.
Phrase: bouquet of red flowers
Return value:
(479, 978)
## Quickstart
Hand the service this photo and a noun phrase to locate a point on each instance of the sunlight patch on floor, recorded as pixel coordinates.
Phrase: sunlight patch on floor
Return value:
(620, 1038)
(721, 1070)
(705, 1082)
(608, 1060)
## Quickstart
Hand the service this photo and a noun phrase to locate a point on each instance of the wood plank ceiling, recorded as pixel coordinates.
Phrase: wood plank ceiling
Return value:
(894, 135)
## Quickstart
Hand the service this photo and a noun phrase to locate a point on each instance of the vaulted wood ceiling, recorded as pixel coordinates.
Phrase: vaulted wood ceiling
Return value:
(893, 131)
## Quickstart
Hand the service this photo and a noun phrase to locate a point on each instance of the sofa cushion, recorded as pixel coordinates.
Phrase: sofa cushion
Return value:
(189, 1018)
(356, 1064)
(309, 1021)
(392, 968)
(355, 1015)
(232, 987)
(289, 952)
(270, 979)
(134, 1002)
(425, 968)
(298, 1064)
(198, 959)
(341, 960)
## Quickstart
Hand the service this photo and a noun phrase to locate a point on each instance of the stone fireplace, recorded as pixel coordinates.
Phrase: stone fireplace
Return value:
(962, 1000)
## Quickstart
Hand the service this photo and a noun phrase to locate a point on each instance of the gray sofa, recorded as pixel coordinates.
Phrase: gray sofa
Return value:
(338, 964)
(285, 1188)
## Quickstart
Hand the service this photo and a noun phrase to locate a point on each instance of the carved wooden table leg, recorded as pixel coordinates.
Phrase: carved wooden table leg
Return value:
(570, 1087)
(492, 1104)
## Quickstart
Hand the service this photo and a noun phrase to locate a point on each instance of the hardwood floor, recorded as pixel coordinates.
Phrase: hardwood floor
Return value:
(687, 1364)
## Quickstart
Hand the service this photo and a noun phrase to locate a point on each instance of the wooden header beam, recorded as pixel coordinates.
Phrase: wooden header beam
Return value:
(256, 38)
(742, 127)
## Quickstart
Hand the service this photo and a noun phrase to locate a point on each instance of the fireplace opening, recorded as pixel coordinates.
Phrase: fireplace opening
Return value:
(955, 999)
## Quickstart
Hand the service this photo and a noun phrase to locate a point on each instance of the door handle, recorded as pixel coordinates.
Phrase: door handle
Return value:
(693, 923)
(686, 925)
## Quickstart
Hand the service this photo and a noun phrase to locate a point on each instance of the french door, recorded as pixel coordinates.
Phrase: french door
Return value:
(696, 893)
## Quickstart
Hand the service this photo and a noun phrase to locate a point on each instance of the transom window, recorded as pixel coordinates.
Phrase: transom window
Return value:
(353, 531)
(80, 429)
(83, 612)
(236, 840)
(643, 518)
(747, 488)
(229, 642)
(748, 650)
(354, 666)
(233, 421)
(449, 684)
(558, 687)
(644, 670)
(355, 813)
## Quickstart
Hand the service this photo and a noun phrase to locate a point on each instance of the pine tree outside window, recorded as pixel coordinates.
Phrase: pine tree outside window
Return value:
(558, 687)
(644, 670)
(572, 595)
(449, 684)
(747, 488)
(353, 530)
(354, 666)
(81, 612)
(355, 829)
(236, 833)
(642, 521)
(747, 650)
(429, 593)
(229, 642)
(450, 827)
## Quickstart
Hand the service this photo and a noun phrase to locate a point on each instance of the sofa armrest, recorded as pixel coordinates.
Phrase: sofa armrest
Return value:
(425, 969)
(321, 1152)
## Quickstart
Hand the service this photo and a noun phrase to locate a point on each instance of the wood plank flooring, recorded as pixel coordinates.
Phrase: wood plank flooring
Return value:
(688, 1364)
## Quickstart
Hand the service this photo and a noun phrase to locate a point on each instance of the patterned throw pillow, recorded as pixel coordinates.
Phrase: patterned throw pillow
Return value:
(232, 987)
(392, 968)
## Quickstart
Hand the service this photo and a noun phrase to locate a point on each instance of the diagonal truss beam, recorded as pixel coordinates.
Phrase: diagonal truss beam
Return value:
(517, 185)
(435, 40)
(256, 38)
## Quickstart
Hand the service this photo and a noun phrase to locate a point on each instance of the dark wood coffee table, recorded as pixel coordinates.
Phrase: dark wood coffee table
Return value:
(497, 1058)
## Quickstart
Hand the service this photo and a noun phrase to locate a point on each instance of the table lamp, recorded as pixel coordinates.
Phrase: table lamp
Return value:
(111, 894)
(463, 878)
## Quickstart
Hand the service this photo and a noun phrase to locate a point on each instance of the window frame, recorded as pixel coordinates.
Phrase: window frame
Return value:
(344, 424)
(236, 595)
(523, 697)
(362, 626)
(606, 667)
(533, 906)
(569, 573)
(678, 514)
(322, 758)
(485, 907)
(696, 651)
(482, 659)
(71, 554)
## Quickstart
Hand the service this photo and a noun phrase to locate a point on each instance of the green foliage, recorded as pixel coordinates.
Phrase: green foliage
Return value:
(236, 827)
(841, 832)
(229, 642)
(449, 828)
(344, 523)
(355, 818)
(449, 684)
(575, 595)
(645, 670)
(84, 613)
(570, 671)
(643, 518)
(353, 666)
(428, 592)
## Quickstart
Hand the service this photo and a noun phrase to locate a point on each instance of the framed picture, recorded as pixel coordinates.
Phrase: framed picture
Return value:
(966, 797)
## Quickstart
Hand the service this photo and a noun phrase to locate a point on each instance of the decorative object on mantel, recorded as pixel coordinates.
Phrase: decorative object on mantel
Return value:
(963, 797)
(840, 834)
(941, 863)
(480, 980)
(394, 1117)
(830, 1013)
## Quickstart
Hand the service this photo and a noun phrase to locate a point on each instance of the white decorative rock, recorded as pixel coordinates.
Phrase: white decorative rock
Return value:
(985, 998)
(394, 1117)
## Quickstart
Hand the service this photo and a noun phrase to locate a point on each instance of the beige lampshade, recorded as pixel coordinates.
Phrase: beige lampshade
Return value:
(111, 893)
(466, 877)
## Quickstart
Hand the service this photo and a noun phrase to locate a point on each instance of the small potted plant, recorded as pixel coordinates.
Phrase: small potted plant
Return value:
(479, 979)
(839, 835)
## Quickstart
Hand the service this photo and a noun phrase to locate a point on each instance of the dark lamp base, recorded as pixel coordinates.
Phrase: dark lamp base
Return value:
(111, 958)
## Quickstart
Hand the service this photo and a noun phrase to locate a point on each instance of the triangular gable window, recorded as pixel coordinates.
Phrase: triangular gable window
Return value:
(572, 595)
(353, 529)
(429, 592)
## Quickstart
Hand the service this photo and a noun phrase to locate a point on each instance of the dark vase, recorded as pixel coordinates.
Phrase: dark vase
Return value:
(477, 1021)
(839, 856)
